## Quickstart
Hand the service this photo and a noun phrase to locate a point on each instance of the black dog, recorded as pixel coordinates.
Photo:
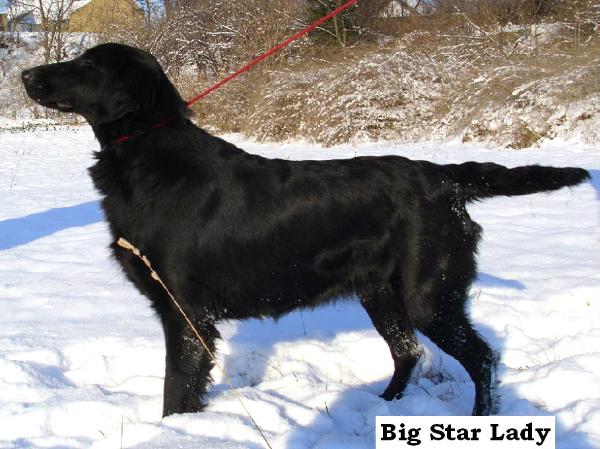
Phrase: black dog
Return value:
(236, 235)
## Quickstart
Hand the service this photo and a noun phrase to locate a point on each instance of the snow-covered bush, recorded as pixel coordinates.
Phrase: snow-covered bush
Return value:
(460, 84)
(386, 94)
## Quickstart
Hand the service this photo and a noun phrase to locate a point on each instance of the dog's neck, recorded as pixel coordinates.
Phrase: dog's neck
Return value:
(167, 109)
(129, 127)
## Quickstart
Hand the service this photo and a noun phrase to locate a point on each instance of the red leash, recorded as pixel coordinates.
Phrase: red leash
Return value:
(272, 51)
(248, 66)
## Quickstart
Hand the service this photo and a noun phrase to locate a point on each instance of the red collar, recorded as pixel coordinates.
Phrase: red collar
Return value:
(131, 136)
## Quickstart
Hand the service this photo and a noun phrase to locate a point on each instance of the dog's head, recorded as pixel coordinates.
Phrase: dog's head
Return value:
(105, 84)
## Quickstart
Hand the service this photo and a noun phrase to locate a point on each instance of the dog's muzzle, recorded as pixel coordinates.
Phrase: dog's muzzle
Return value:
(34, 85)
(39, 90)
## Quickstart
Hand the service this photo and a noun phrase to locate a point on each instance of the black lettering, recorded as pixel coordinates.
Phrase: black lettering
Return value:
(413, 435)
(527, 432)
(512, 434)
(463, 434)
(389, 432)
(450, 432)
(543, 433)
(495, 436)
(437, 432)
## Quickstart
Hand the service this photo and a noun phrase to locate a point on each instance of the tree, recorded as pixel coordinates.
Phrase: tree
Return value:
(356, 22)
(52, 18)
(211, 37)
(342, 28)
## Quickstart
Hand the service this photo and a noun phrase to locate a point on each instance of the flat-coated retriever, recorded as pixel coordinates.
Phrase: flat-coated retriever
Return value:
(235, 235)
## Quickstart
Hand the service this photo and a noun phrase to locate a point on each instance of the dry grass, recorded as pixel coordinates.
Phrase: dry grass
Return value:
(425, 85)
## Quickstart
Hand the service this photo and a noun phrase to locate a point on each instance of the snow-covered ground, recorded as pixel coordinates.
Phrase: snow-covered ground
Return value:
(81, 354)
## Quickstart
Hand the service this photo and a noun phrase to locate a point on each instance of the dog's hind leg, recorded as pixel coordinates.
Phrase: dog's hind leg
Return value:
(188, 366)
(387, 313)
(452, 332)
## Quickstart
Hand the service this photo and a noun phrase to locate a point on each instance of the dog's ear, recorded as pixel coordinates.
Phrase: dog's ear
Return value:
(141, 82)
(151, 90)
(131, 90)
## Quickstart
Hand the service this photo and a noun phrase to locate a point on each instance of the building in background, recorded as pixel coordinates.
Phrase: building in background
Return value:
(3, 16)
(74, 15)
(96, 15)
(3, 21)
(406, 8)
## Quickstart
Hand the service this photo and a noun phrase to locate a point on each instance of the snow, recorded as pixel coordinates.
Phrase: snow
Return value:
(81, 353)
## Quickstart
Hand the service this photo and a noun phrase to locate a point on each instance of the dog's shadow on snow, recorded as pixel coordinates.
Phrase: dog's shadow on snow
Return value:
(438, 386)
(595, 181)
(20, 231)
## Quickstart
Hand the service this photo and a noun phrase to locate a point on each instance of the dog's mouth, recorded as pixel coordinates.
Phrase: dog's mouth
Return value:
(61, 105)
(64, 105)
(48, 100)
(39, 89)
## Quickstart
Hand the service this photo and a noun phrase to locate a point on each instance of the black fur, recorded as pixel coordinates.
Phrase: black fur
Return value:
(236, 235)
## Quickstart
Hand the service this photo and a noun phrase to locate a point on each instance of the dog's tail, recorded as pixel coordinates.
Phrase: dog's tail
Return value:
(484, 180)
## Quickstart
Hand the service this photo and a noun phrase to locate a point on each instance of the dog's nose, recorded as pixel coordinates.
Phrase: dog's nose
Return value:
(26, 75)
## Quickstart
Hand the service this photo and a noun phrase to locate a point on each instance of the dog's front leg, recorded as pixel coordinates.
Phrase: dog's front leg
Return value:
(188, 366)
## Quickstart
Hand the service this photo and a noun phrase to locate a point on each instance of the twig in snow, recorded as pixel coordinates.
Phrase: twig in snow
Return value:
(154, 275)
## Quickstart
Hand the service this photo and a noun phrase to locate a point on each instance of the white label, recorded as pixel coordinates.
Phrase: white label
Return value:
(468, 432)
